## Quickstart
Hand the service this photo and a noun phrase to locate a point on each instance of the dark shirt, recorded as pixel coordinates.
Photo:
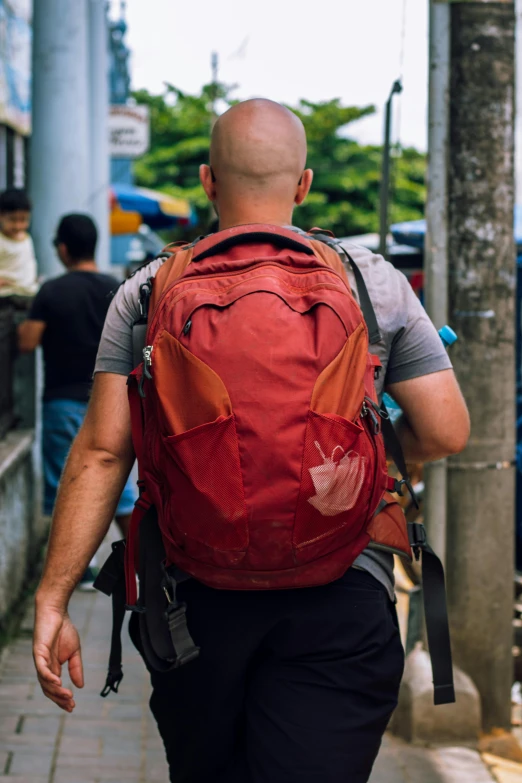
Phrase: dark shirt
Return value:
(73, 308)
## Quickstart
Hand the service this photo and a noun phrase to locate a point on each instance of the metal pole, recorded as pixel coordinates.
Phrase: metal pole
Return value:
(436, 246)
(214, 65)
(59, 160)
(385, 172)
(98, 203)
(481, 253)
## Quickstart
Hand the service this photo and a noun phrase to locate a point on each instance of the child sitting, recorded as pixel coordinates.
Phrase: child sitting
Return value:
(17, 260)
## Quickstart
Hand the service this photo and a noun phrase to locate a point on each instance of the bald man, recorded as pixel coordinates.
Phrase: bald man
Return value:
(293, 686)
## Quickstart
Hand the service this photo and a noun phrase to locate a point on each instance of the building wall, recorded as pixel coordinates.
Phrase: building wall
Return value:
(17, 542)
(22, 528)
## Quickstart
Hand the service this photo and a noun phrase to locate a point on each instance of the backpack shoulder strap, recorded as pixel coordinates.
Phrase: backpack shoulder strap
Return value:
(149, 294)
(172, 268)
(364, 297)
(329, 256)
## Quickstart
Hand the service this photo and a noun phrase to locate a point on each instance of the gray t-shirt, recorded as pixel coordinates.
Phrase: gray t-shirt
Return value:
(410, 346)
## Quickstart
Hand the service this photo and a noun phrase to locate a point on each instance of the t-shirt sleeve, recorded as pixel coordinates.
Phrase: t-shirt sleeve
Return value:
(416, 348)
(39, 308)
(115, 349)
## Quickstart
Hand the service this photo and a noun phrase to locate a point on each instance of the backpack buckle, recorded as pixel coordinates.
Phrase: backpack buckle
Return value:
(175, 614)
(418, 537)
(405, 482)
(145, 294)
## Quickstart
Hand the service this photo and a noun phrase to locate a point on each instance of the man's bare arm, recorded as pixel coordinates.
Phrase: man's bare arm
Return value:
(93, 479)
(92, 482)
(435, 421)
(30, 335)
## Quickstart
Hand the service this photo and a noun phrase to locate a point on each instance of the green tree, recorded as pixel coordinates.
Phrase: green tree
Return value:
(345, 193)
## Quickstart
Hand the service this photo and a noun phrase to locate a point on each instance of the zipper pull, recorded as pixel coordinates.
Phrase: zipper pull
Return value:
(147, 361)
(145, 294)
(370, 412)
(147, 364)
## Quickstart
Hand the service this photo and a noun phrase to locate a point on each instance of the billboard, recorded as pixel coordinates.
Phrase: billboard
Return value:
(15, 64)
(129, 131)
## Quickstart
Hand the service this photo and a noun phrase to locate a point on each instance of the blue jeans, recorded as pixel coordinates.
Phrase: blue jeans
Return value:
(62, 420)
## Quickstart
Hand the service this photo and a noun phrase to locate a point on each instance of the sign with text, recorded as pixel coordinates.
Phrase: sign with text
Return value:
(129, 131)
(15, 64)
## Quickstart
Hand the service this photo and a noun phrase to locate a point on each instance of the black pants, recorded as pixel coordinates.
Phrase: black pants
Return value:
(293, 686)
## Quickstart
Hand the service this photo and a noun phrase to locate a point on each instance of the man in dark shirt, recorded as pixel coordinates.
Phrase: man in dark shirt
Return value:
(66, 319)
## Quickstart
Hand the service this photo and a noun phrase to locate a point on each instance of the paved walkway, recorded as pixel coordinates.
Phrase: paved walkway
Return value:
(114, 740)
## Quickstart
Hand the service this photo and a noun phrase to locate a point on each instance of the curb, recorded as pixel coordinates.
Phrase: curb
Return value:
(504, 771)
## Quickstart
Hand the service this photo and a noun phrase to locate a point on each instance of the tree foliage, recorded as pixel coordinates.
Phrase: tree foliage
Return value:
(345, 193)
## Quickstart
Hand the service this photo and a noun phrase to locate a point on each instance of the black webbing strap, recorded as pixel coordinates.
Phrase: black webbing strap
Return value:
(139, 333)
(394, 449)
(364, 297)
(164, 633)
(111, 581)
(436, 614)
(139, 327)
(433, 584)
(165, 639)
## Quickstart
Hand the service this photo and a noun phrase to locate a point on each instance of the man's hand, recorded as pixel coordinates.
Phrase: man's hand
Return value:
(56, 642)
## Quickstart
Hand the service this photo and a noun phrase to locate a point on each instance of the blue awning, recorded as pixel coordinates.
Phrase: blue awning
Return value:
(158, 210)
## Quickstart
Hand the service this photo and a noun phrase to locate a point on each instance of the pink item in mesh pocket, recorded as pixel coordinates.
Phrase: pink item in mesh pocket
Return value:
(337, 484)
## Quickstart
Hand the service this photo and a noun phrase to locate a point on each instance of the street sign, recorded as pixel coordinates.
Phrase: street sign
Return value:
(129, 131)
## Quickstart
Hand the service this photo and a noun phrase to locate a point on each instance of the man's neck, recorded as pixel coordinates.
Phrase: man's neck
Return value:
(84, 266)
(247, 217)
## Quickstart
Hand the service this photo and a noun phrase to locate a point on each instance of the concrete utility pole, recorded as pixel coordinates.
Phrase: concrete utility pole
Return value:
(436, 245)
(98, 204)
(518, 104)
(59, 165)
(482, 311)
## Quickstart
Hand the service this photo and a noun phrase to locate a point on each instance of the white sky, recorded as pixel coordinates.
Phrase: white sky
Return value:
(291, 49)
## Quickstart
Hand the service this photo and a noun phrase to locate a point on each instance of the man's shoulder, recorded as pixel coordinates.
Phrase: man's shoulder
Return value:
(371, 264)
(107, 280)
(130, 288)
(387, 287)
(381, 277)
(52, 284)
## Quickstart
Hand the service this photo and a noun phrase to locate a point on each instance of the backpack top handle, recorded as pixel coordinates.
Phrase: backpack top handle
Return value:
(218, 243)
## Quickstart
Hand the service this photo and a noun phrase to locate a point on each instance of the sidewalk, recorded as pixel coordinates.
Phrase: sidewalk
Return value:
(114, 740)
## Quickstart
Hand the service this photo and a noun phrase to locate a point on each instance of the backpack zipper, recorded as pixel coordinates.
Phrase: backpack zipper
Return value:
(147, 365)
(372, 411)
(209, 276)
(368, 414)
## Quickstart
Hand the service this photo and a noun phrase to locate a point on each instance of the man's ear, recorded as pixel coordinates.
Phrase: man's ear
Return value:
(304, 185)
(207, 180)
(63, 253)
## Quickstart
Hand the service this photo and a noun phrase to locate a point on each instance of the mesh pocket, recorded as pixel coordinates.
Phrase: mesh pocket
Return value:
(336, 480)
(203, 475)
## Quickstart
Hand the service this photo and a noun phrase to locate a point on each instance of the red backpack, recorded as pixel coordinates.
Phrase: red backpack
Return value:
(256, 425)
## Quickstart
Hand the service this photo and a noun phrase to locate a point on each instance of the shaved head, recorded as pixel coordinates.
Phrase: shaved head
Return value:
(258, 140)
(257, 154)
